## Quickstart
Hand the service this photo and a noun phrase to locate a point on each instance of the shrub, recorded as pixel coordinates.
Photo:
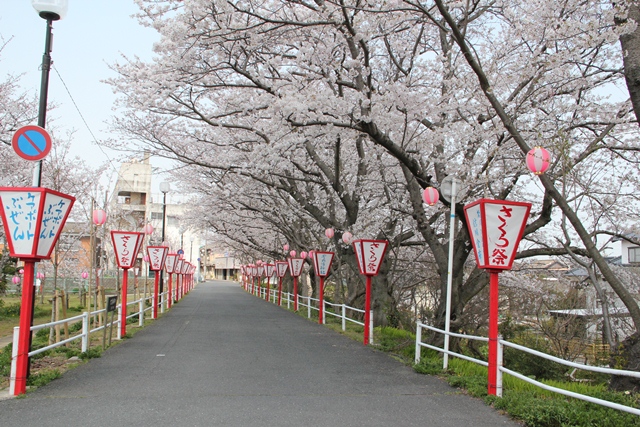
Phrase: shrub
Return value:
(44, 377)
(530, 365)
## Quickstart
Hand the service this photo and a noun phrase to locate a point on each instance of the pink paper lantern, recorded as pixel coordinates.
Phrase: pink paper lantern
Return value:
(84, 274)
(538, 160)
(146, 258)
(15, 280)
(329, 233)
(310, 254)
(99, 217)
(21, 271)
(148, 229)
(346, 237)
(303, 254)
(293, 254)
(40, 275)
(285, 247)
(430, 196)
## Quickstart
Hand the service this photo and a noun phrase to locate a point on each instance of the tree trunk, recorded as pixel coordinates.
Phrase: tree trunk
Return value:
(630, 44)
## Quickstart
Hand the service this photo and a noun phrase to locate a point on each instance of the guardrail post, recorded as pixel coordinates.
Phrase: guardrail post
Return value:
(344, 317)
(418, 341)
(14, 361)
(499, 371)
(370, 326)
(85, 331)
(324, 312)
(288, 301)
(141, 312)
(164, 302)
(308, 307)
(119, 332)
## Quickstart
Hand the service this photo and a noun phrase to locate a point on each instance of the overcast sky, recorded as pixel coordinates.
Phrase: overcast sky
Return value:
(94, 33)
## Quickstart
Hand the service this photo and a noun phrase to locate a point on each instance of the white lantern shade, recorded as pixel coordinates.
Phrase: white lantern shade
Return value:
(496, 227)
(51, 9)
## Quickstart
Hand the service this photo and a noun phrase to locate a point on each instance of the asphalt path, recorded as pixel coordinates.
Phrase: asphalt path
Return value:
(222, 357)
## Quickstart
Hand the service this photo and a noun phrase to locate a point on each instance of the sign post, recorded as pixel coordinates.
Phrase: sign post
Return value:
(33, 219)
(169, 266)
(270, 270)
(260, 272)
(295, 267)
(179, 280)
(495, 227)
(157, 260)
(126, 244)
(322, 265)
(281, 270)
(369, 254)
(31, 142)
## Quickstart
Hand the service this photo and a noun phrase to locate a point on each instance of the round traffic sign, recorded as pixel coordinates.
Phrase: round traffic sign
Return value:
(180, 252)
(31, 142)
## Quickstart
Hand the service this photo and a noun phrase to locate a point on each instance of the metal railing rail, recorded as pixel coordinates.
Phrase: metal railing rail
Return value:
(84, 333)
(288, 299)
(501, 369)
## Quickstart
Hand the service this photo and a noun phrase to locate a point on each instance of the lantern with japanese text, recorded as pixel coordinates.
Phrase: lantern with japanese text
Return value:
(369, 254)
(281, 270)
(127, 245)
(322, 266)
(538, 160)
(157, 256)
(295, 267)
(495, 228)
(33, 219)
(169, 266)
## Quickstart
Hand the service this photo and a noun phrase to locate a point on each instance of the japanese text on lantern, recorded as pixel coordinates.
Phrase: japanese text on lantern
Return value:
(476, 230)
(499, 255)
(372, 263)
(51, 219)
(22, 215)
(125, 252)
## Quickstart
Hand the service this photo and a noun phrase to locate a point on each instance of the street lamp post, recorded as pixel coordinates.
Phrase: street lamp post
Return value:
(165, 187)
(49, 11)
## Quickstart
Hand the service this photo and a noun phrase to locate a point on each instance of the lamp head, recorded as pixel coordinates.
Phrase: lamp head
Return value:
(165, 187)
(51, 9)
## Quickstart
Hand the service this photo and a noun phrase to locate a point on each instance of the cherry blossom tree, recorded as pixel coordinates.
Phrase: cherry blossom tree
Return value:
(258, 94)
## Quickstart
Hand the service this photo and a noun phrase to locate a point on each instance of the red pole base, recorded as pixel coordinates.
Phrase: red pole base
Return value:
(321, 302)
(123, 299)
(367, 310)
(26, 310)
(493, 334)
(155, 295)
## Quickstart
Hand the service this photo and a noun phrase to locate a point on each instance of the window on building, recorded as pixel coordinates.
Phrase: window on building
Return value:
(634, 255)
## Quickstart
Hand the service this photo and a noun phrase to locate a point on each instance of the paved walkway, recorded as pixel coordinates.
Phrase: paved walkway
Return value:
(222, 357)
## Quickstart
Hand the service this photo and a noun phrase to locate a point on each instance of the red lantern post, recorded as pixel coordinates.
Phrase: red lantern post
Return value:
(281, 270)
(157, 259)
(33, 219)
(127, 245)
(254, 274)
(322, 265)
(178, 271)
(169, 266)
(369, 254)
(259, 272)
(269, 271)
(495, 227)
(295, 267)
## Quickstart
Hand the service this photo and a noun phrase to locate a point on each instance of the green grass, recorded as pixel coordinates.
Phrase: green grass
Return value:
(532, 405)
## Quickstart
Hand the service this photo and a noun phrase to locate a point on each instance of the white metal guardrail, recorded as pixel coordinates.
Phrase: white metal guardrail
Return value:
(84, 333)
(307, 301)
(501, 369)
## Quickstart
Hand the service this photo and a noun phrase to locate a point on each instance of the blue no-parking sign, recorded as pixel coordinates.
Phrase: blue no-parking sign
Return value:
(31, 142)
